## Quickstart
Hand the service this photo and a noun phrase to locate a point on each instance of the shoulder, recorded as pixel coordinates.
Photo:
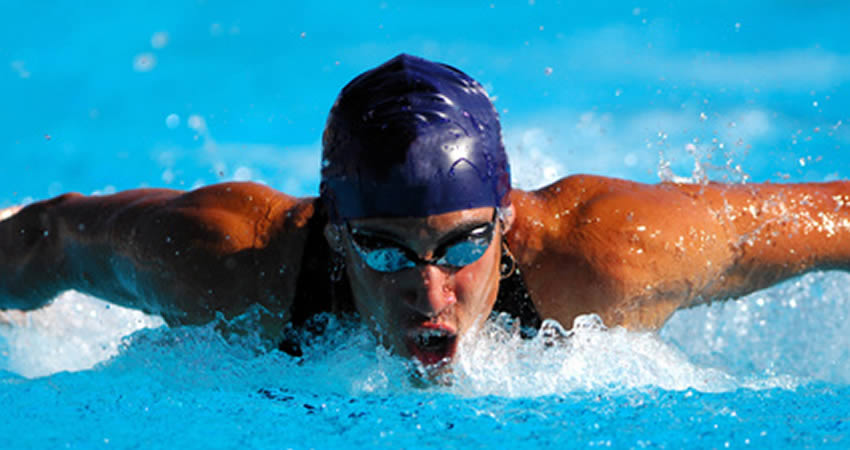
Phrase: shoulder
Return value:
(578, 211)
(234, 244)
(221, 222)
(555, 210)
(596, 244)
(242, 198)
(234, 205)
(578, 197)
(571, 193)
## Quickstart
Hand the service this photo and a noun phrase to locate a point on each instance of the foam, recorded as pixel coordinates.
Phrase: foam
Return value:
(73, 333)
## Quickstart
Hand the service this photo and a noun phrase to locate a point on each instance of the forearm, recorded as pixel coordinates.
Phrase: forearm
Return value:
(63, 243)
(779, 231)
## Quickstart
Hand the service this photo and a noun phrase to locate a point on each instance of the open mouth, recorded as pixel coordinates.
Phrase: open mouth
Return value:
(432, 344)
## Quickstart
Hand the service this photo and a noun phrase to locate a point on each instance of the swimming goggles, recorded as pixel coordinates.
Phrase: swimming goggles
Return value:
(385, 255)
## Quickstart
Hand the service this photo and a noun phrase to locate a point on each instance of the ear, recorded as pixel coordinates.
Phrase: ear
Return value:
(333, 234)
(507, 214)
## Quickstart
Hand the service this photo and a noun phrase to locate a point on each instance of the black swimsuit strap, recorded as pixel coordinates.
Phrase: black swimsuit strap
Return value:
(322, 284)
(515, 300)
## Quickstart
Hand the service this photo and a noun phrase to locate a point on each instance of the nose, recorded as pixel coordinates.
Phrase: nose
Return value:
(429, 292)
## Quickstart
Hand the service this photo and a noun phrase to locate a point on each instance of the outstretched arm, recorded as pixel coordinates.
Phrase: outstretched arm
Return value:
(634, 253)
(185, 256)
(33, 266)
(777, 231)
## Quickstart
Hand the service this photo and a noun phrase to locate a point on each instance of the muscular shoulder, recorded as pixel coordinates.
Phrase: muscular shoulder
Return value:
(595, 202)
(243, 214)
(232, 244)
(545, 216)
(596, 244)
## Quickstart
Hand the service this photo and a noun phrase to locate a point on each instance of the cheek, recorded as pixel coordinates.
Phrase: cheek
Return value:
(375, 295)
(365, 289)
(478, 283)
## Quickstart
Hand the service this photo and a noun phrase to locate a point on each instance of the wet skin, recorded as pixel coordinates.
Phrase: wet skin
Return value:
(421, 311)
(633, 253)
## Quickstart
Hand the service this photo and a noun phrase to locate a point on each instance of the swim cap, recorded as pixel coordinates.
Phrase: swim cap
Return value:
(412, 138)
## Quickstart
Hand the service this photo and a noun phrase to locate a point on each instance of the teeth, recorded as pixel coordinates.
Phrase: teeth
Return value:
(430, 333)
(432, 338)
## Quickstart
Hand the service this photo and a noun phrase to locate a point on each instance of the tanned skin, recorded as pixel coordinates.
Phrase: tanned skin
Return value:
(633, 253)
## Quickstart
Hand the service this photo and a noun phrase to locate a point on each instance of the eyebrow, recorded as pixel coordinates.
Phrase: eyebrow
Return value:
(460, 230)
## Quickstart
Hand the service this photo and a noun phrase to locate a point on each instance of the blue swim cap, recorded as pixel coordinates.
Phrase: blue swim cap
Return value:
(412, 138)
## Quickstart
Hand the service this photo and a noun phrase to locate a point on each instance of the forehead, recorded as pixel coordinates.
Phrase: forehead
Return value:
(429, 226)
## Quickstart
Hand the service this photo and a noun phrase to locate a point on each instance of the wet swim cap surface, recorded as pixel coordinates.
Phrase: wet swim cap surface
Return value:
(412, 138)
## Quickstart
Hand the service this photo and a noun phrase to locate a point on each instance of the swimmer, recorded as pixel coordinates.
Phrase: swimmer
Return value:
(417, 230)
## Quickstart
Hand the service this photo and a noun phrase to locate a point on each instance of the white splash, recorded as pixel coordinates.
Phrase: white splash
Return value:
(780, 337)
(73, 333)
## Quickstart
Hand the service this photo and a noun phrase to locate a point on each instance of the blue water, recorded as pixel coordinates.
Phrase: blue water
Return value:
(106, 96)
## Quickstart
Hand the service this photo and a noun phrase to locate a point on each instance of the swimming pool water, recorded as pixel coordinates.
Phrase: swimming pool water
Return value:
(106, 97)
(699, 383)
(110, 413)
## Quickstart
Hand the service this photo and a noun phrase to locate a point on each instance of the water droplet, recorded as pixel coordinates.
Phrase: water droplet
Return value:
(18, 66)
(144, 62)
(547, 71)
(197, 123)
(242, 174)
(172, 121)
(168, 176)
(159, 39)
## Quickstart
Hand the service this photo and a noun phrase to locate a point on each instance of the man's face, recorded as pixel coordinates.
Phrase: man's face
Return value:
(421, 311)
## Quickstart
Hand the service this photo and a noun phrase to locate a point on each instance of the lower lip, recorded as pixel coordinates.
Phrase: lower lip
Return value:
(432, 356)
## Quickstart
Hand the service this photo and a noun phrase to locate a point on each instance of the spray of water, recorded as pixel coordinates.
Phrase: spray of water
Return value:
(781, 337)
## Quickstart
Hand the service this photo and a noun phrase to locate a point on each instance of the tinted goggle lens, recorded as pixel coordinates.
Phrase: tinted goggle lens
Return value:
(387, 259)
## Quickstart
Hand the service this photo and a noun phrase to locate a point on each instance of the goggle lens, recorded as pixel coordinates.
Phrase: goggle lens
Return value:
(384, 255)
